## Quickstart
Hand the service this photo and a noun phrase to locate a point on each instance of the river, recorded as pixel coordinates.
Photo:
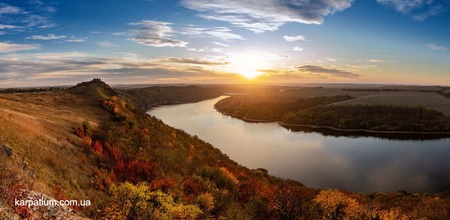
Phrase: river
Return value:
(363, 164)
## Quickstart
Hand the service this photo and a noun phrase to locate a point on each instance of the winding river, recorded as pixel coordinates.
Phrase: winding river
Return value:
(356, 163)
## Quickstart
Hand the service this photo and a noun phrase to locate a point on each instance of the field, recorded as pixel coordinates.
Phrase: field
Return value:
(411, 96)
(429, 100)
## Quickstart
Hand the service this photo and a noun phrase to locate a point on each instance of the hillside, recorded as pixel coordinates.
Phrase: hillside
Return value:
(95, 89)
(94, 143)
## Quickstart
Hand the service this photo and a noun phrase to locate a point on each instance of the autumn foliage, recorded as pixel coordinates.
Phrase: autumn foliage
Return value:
(148, 170)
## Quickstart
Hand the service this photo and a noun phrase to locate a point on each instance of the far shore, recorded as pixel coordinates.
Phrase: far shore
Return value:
(243, 118)
(333, 128)
(363, 130)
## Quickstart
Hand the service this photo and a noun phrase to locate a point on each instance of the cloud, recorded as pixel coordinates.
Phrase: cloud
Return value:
(119, 34)
(432, 11)
(375, 61)
(419, 9)
(106, 44)
(206, 49)
(298, 49)
(155, 34)
(6, 26)
(326, 71)
(9, 47)
(40, 5)
(223, 33)
(8, 9)
(195, 61)
(74, 39)
(363, 67)
(195, 49)
(405, 6)
(294, 38)
(48, 37)
(307, 72)
(221, 44)
(26, 69)
(12, 15)
(436, 47)
(266, 15)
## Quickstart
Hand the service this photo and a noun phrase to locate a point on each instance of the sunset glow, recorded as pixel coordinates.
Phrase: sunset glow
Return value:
(247, 65)
(211, 41)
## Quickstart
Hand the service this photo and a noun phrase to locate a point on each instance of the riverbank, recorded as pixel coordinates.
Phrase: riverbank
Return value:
(246, 119)
(363, 130)
(368, 131)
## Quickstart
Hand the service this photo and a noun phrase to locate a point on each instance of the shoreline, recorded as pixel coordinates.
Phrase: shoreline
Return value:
(334, 128)
(243, 118)
(365, 130)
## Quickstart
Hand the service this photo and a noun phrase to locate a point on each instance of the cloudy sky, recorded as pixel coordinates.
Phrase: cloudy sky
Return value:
(50, 42)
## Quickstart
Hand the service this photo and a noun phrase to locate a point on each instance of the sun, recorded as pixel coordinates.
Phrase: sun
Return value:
(247, 65)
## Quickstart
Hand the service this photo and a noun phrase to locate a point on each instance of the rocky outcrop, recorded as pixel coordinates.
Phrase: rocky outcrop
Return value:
(6, 150)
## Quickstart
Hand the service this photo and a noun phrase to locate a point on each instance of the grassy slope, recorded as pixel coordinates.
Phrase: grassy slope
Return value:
(39, 127)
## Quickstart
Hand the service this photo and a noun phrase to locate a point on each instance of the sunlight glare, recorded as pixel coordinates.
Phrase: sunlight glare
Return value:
(247, 65)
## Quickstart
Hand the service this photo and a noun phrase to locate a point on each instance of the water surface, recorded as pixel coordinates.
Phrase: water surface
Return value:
(365, 164)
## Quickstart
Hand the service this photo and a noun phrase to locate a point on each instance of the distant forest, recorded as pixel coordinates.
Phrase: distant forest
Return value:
(23, 90)
(160, 95)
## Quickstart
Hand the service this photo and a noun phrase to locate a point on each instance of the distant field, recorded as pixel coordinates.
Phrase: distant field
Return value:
(429, 100)
(405, 96)
(293, 94)
(315, 92)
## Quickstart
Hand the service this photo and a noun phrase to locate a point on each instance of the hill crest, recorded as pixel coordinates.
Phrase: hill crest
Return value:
(94, 88)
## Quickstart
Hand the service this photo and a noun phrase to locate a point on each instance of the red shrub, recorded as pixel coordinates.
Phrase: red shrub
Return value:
(135, 171)
(97, 147)
(17, 192)
(162, 184)
(115, 153)
(191, 187)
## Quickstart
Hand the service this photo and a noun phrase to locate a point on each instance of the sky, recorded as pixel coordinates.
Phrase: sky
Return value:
(51, 42)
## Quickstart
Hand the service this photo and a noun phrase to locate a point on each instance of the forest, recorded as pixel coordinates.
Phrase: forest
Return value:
(160, 95)
(141, 168)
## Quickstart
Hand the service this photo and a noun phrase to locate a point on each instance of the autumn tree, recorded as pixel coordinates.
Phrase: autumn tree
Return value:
(335, 205)
(139, 202)
(293, 202)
